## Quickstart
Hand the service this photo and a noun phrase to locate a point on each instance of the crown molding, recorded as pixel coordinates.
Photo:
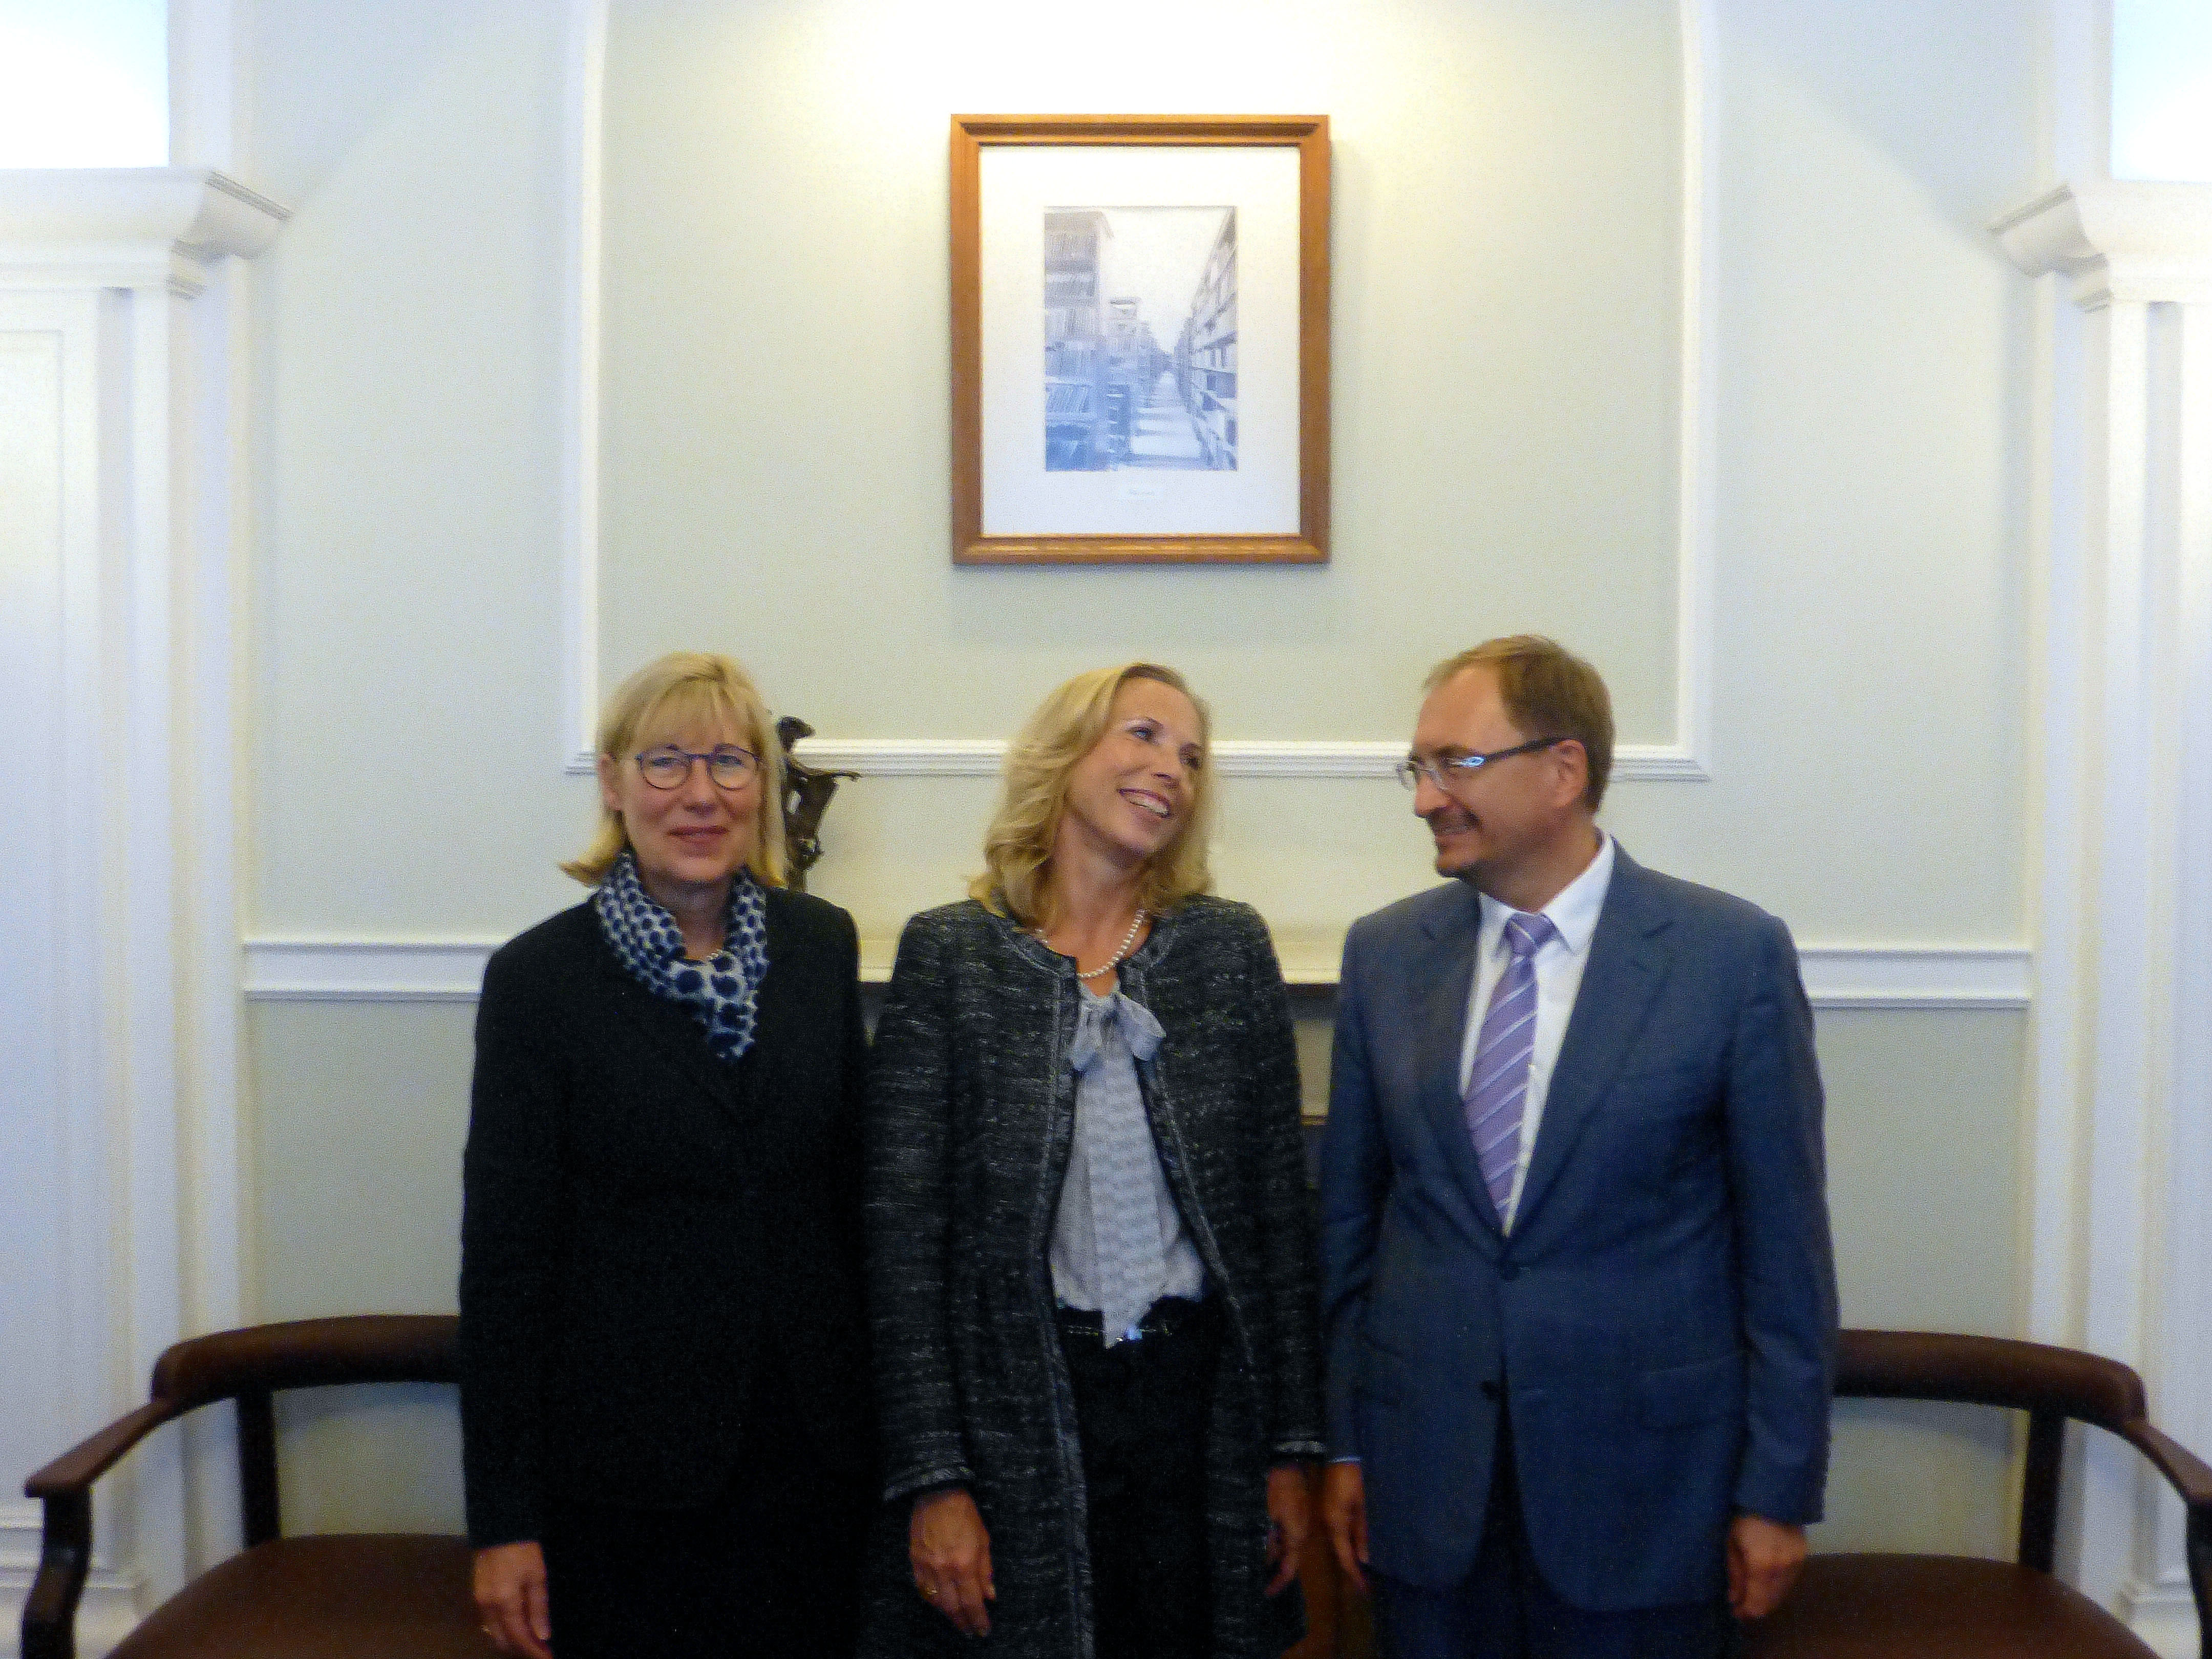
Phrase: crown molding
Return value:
(2119, 241)
(127, 226)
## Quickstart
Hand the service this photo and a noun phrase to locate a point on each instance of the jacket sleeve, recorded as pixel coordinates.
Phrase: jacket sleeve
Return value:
(910, 1220)
(1355, 1183)
(1294, 1425)
(1777, 1172)
(511, 1192)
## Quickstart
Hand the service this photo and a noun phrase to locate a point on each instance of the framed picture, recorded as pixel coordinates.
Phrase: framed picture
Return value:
(1139, 338)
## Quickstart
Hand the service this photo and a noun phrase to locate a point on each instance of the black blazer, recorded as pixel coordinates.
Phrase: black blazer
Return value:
(645, 1225)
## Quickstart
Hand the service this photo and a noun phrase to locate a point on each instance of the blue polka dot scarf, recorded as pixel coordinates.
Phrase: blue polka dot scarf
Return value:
(722, 991)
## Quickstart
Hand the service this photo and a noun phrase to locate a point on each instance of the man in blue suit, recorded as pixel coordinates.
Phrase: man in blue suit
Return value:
(1579, 1300)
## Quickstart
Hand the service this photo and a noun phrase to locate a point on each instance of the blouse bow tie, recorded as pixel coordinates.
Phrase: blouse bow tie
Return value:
(1099, 1014)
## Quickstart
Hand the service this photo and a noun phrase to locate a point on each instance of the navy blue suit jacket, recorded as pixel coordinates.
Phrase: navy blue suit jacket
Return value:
(1660, 1323)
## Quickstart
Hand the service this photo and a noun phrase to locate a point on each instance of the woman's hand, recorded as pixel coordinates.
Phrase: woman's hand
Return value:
(1289, 1517)
(950, 1550)
(510, 1593)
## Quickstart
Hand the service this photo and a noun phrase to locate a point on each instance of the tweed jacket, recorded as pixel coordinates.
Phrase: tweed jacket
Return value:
(971, 1115)
(645, 1224)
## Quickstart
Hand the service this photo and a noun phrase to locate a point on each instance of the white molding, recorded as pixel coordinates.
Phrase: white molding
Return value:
(2144, 243)
(1840, 977)
(2122, 1160)
(127, 226)
(981, 758)
(2162, 1613)
(1683, 759)
(583, 215)
(154, 447)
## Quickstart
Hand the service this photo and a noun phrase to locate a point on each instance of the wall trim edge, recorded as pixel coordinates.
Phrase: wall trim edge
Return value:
(1837, 976)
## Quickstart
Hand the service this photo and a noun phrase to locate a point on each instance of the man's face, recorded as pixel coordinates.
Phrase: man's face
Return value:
(1494, 822)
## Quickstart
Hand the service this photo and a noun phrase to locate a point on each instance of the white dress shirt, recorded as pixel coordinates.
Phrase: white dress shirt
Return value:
(1559, 963)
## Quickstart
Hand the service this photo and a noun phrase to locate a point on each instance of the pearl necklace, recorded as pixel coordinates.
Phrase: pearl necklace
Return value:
(1118, 955)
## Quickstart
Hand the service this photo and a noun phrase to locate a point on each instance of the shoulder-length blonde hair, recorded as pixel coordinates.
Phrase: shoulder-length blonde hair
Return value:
(662, 696)
(1066, 727)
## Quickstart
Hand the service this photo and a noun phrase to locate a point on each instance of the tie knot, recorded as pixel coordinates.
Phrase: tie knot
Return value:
(1527, 934)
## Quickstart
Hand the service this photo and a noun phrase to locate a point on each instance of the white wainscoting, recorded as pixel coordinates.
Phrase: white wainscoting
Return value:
(450, 970)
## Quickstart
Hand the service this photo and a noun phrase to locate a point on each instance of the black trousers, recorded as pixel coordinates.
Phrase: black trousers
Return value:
(769, 1570)
(1141, 1408)
(1504, 1610)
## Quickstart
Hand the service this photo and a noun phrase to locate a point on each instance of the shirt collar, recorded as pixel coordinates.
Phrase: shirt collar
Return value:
(1573, 909)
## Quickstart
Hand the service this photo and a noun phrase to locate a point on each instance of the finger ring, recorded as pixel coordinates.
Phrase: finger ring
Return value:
(929, 1590)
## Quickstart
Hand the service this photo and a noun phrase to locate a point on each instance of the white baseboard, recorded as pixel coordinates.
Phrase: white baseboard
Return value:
(2162, 1613)
(450, 970)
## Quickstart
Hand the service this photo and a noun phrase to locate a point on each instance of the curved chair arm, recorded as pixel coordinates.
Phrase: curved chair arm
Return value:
(2189, 1475)
(73, 1472)
(64, 1485)
(246, 1365)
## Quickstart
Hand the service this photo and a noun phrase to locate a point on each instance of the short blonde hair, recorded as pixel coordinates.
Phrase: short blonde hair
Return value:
(1066, 727)
(683, 686)
(1548, 692)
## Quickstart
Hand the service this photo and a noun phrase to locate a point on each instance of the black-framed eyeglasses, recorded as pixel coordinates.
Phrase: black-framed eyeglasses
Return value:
(1442, 770)
(670, 767)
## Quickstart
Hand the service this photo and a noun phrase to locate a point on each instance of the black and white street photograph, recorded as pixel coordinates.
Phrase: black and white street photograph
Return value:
(1139, 338)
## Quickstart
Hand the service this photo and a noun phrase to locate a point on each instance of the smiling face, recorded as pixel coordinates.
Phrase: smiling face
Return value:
(1132, 794)
(1513, 824)
(691, 840)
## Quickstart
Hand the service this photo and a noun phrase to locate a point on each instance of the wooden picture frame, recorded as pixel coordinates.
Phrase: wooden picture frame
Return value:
(1090, 442)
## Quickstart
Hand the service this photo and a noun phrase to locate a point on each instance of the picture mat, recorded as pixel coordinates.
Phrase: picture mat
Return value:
(1016, 185)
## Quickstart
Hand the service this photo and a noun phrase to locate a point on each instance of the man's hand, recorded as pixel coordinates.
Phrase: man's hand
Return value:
(1289, 1518)
(1764, 1559)
(950, 1550)
(1344, 1512)
(509, 1587)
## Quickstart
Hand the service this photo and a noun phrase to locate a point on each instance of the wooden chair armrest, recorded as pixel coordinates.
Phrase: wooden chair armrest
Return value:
(2185, 1472)
(75, 1470)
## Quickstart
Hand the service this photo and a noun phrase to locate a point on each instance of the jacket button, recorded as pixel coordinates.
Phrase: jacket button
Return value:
(1507, 1272)
(1490, 1390)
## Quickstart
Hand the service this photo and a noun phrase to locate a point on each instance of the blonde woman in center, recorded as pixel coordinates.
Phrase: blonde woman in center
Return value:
(1090, 1273)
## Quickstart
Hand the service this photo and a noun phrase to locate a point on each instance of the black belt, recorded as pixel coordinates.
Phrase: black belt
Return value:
(1169, 1316)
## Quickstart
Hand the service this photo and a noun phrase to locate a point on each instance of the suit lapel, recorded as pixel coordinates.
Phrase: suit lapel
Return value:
(1447, 978)
(1628, 960)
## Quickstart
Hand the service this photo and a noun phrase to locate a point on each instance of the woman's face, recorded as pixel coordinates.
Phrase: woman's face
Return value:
(692, 839)
(1132, 795)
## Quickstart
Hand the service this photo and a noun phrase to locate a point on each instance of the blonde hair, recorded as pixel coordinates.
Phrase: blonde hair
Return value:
(1067, 725)
(1548, 692)
(664, 694)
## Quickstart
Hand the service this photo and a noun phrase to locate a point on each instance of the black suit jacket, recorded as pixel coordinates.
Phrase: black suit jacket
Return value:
(645, 1225)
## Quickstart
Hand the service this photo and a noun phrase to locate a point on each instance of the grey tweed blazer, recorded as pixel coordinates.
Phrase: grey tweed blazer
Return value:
(970, 1117)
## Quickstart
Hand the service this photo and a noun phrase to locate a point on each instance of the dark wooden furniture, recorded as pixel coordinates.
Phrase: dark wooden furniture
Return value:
(1929, 1607)
(1874, 1607)
(391, 1595)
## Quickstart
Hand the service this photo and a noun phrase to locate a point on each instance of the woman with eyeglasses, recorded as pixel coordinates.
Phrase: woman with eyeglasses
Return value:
(669, 1441)
(1090, 1265)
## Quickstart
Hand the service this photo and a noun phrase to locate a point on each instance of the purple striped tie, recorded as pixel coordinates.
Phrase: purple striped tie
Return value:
(1499, 1082)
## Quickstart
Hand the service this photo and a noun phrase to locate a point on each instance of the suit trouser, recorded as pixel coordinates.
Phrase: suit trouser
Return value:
(1504, 1610)
(1141, 1408)
(769, 1570)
